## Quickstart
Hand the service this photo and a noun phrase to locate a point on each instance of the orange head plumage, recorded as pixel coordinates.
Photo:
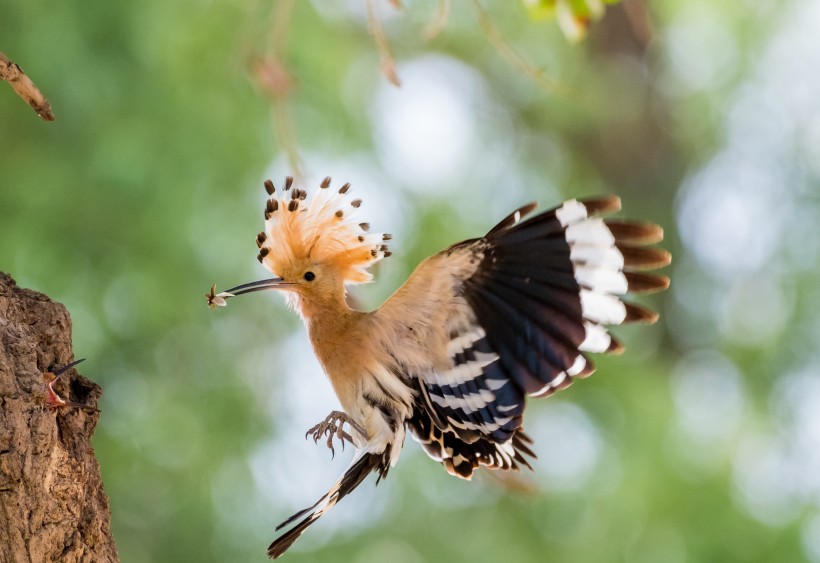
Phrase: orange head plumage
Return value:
(319, 230)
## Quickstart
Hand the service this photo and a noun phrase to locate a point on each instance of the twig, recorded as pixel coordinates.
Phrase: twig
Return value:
(278, 39)
(387, 63)
(636, 13)
(507, 52)
(284, 124)
(437, 25)
(273, 76)
(24, 87)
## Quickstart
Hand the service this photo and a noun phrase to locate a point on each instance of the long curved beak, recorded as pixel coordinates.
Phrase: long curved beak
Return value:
(65, 368)
(261, 285)
(219, 299)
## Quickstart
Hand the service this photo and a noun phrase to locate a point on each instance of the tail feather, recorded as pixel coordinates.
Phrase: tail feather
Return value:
(634, 232)
(363, 464)
(637, 314)
(645, 283)
(640, 258)
(602, 205)
(301, 513)
(461, 458)
(514, 217)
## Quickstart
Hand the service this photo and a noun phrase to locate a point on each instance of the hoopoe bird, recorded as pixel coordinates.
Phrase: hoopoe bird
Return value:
(454, 352)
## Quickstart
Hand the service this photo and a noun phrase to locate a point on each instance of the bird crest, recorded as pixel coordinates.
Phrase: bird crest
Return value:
(320, 228)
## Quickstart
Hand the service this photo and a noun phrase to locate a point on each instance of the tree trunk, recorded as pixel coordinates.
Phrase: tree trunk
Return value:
(52, 503)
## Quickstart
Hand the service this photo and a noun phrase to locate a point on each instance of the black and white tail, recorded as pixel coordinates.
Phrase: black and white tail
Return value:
(363, 464)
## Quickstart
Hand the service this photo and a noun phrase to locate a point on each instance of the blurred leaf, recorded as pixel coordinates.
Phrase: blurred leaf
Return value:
(573, 16)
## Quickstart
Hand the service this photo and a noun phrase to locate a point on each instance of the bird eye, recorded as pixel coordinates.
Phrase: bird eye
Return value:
(310, 276)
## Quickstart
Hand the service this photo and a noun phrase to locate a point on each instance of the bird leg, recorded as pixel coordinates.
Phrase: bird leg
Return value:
(333, 427)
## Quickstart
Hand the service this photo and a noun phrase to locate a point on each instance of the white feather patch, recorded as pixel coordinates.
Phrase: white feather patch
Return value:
(495, 384)
(591, 232)
(469, 403)
(547, 387)
(556, 381)
(464, 341)
(484, 428)
(571, 212)
(601, 280)
(596, 338)
(466, 371)
(577, 367)
(601, 256)
(601, 308)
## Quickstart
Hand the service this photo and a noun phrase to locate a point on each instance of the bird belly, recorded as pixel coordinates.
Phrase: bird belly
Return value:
(381, 404)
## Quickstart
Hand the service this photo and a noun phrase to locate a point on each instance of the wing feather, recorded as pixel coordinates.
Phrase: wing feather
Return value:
(514, 314)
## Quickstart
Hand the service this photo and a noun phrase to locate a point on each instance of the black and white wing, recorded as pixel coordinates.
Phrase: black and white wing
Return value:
(515, 313)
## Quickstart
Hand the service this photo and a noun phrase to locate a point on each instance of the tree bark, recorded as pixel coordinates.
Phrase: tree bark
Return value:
(52, 503)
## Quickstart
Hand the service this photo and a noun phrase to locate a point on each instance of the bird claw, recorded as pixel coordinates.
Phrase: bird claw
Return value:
(333, 427)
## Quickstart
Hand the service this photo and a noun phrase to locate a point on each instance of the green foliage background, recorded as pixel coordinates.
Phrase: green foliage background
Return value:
(699, 444)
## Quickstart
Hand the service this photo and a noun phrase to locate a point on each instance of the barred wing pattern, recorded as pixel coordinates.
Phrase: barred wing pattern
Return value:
(539, 299)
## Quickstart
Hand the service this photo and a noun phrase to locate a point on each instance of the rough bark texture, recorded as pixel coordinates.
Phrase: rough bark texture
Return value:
(52, 503)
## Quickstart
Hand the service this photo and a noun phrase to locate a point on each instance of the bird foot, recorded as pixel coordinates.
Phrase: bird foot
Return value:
(333, 427)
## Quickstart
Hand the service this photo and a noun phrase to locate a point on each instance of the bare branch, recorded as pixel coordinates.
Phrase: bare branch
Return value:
(278, 38)
(437, 25)
(272, 76)
(284, 125)
(387, 63)
(24, 87)
(507, 52)
(638, 15)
